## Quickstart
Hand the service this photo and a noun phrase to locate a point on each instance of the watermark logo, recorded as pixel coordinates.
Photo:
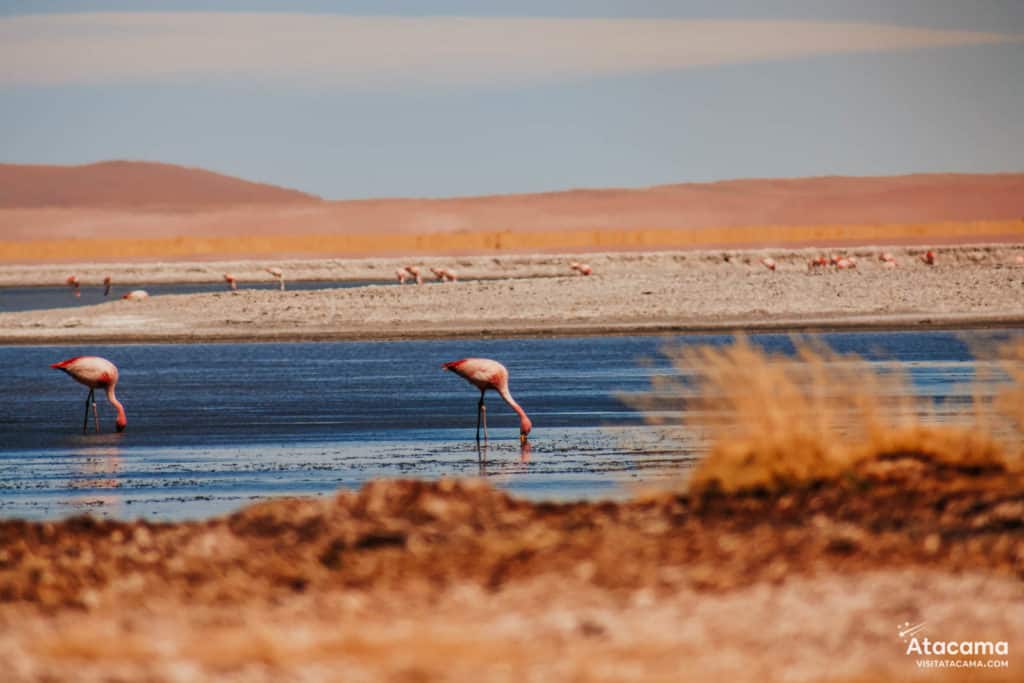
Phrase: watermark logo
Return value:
(908, 631)
(951, 654)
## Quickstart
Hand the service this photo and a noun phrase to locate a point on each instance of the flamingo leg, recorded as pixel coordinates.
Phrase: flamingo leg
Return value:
(481, 413)
(90, 399)
(483, 408)
(479, 409)
(96, 412)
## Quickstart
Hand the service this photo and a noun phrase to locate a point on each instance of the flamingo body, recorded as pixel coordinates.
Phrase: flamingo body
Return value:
(486, 374)
(415, 272)
(95, 373)
(136, 295)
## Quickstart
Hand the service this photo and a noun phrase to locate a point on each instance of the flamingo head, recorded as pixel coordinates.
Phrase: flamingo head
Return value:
(121, 423)
(525, 425)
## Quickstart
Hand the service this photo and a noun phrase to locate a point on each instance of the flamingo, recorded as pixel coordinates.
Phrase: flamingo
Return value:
(928, 257)
(887, 257)
(276, 272)
(72, 282)
(581, 268)
(401, 275)
(768, 263)
(95, 373)
(136, 295)
(106, 285)
(438, 273)
(449, 275)
(232, 282)
(415, 272)
(484, 374)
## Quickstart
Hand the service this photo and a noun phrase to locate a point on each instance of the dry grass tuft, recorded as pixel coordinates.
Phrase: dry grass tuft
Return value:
(776, 421)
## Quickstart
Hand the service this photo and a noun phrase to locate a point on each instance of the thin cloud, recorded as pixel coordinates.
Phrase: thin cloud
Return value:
(333, 50)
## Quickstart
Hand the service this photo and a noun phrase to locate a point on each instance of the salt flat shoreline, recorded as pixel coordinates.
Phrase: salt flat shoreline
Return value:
(629, 293)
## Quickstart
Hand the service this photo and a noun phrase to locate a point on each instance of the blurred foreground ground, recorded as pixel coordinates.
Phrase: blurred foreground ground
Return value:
(415, 581)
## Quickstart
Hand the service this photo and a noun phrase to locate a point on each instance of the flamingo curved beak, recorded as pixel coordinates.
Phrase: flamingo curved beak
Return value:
(120, 428)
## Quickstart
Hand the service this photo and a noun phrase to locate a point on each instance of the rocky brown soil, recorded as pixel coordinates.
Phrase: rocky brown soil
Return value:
(453, 580)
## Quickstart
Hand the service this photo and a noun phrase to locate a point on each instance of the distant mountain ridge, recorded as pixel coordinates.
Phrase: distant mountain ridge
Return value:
(133, 184)
(140, 200)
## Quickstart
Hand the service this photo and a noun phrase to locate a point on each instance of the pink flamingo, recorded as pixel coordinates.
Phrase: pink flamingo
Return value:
(444, 274)
(276, 272)
(95, 373)
(485, 374)
(72, 282)
(415, 272)
(928, 257)
(768, 263)
(106, 285)
(232, 282)
(581, 268)
(887, 257)
(136, 295)
(401, 274)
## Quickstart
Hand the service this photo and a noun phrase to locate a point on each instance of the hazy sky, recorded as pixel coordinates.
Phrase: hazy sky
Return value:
(418, 98)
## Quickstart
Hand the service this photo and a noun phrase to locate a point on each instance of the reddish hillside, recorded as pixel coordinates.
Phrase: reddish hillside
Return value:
(132, 184)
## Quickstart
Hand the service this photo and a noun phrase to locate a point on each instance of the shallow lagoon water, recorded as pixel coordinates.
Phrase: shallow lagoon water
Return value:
(212, 427)
(15, 299)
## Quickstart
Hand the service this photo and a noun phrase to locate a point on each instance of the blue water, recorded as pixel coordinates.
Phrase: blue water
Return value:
(214, 426)
(38, 298)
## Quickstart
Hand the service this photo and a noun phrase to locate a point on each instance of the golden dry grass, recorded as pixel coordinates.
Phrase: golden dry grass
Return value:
(485, 241)
(776, 421)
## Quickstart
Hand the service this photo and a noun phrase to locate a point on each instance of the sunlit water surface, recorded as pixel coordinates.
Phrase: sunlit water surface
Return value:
(212, 427)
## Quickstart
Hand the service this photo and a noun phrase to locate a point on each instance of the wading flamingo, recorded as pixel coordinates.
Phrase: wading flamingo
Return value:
(95, 373)
(72, 282)
(106, 285)
(438, 273)
(276, 272)
(232, 282)
(136, 295)
(485, 374)
(768, 263)
(415, 272)
(449, 275)
(401, 275)
(581, 268)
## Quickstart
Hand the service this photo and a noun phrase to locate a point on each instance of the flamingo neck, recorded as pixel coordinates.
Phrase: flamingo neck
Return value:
(524, 422)
(122, 419)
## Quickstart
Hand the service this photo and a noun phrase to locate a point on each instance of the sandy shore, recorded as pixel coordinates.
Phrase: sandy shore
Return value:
(537, 295)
